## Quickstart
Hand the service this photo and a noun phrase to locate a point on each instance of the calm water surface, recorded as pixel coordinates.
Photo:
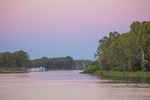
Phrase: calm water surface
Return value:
(67, 85)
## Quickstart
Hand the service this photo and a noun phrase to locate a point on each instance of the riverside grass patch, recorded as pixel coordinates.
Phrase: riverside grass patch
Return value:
(122, 74)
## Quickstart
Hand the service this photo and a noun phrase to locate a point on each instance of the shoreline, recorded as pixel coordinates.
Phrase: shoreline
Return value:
(12, 72)
(122, 74)
(122, 77)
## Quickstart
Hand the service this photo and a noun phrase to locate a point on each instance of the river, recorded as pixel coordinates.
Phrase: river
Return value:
(67, 85)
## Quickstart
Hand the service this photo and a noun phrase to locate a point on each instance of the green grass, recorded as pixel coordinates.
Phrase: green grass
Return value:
(122, 74)
(11, 70)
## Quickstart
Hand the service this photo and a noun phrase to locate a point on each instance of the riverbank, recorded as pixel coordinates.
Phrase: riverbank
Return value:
(122, 74)
(3, 72)
(12, 70)
(116, 76)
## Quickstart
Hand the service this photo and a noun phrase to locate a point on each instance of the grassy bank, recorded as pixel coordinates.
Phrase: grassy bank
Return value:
(121, 74)
(12, 70)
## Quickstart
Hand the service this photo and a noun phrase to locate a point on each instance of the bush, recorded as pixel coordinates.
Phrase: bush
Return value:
(145, 65)
(117, 68)
(91, 69)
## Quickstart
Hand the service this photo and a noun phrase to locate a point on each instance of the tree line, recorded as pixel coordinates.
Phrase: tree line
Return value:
(19, 60)
(82, 64)
(59, 63)
(128, 51)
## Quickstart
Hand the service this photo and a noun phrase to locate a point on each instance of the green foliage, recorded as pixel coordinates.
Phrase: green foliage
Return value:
(80, 64)
(21, 58)
(134, 65)
(145, 65)
(18, 60)
(62, 63)
(117, 68)
(92, 68)
(121, 74)
(127, 50)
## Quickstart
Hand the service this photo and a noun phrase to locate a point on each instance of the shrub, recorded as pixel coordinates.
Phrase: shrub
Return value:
(117, 68)
(145, 65)
(91, 69)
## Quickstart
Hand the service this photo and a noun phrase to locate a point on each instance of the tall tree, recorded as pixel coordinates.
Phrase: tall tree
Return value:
(128, 51)
(21, 59)
(6, 59)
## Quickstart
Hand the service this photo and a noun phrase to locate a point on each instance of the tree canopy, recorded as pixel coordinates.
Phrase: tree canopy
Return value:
(60, 63)
(18, 59)
(129, 51)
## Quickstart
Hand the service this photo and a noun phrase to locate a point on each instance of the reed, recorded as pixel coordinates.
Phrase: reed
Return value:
(122, 74)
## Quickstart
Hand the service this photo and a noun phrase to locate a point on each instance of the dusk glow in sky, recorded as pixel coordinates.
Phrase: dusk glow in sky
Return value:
(59, 28)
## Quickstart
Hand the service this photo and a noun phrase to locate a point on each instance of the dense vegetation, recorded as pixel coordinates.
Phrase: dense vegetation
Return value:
(124, 56)
(62, 63)
(19, 61)
(121, 74)
(82, 64)
(129, 51)
(92, 68)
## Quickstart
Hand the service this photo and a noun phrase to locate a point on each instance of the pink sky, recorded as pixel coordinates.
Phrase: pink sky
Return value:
(54, 21)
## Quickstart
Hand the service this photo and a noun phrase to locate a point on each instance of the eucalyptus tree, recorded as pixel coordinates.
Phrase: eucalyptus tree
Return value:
(128, 51)
(139, 36)
(105, 51)
(21, 59)
(6, 59)
(139, 43)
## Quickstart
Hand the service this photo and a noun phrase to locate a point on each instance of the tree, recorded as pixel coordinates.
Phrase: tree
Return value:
(140, 40)
(55, 63)
(6, 60)
(129, 51)
(21, 59)
(105, 51)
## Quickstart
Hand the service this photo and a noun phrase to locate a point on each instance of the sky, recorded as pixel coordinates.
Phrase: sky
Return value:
(59, 28)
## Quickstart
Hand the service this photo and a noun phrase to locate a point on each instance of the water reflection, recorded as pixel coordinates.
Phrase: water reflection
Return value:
(124, 82)
(68, 85)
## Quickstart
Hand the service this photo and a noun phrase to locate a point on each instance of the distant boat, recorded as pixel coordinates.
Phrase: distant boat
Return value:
(39, 69)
